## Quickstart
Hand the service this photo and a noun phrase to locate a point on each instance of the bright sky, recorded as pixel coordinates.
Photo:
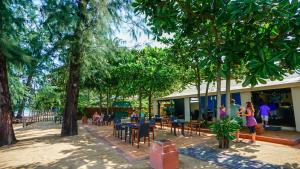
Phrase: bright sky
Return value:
(141, 41)
(125, 36)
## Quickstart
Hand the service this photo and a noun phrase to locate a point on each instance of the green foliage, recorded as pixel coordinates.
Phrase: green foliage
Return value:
(11, 26)
(256, 40)
(47, 97)
(83, 111)
(225, 128)
(17, 88)
(261, 34)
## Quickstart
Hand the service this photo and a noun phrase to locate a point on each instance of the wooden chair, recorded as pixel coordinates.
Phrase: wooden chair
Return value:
(165, 122)
(194, 125)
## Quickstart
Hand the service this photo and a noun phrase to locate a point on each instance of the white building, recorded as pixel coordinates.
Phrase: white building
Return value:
(282, 96)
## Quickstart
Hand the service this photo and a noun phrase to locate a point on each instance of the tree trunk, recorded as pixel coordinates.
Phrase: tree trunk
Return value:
(116, 96)
(198, 86)
(140, 100)
(100, 101)
(69, 125)
(149, 104)
(7, 135)
(23, 101)
(206, 97)
(107, 101)
(228, 77)
(88, 94)
(224, 143)
(218, 89)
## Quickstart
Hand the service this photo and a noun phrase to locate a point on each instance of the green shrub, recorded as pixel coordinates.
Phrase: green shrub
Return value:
(224, 128)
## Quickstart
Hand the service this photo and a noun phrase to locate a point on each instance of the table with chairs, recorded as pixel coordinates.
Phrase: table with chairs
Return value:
(177, 124)
(132, 132)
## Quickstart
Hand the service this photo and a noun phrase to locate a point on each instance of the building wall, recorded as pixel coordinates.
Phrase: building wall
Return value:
(155, 107)
(296, 104)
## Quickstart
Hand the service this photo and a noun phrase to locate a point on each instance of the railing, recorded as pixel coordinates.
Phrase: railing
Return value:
(38, 117)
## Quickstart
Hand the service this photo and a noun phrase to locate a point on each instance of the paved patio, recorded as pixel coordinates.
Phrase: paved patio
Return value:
(239, 155)
(132, 152)
(226, 160)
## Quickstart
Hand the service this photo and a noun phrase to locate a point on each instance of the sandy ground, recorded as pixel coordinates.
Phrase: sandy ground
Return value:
(40, 146)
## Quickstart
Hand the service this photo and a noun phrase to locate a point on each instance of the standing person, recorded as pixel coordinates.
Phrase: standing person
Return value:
(251, 121)
(234, 108)
(96, 118)
(264, 112)
(239, 120)
(222, 111)
(235, 113)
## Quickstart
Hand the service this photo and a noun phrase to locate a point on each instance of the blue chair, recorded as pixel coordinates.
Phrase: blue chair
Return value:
(152, 124)
(143, 131)
(174, 124)
(142, 121)
(120, 128)
(117, 123)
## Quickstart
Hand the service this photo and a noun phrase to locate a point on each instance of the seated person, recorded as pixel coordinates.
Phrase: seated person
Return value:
(134, 117)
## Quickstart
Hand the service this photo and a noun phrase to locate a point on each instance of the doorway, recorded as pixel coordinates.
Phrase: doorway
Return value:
(281, 104)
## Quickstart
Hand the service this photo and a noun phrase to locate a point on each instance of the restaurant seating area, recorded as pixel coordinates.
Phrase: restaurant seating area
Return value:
(132, 137)
(133, 130)
(126, 142)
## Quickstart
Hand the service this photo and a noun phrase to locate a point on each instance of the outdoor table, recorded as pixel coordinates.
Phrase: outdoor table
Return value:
(129, 127)
(133, 128)
(178, 122)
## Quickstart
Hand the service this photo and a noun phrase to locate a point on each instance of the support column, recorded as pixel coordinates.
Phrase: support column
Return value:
(155, 107)
(295, 96)
(245, 97)
(187, 110)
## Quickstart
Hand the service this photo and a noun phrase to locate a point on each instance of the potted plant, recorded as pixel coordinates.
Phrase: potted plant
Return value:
(223, 129)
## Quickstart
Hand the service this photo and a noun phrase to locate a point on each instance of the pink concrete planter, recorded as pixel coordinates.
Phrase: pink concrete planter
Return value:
(164, 155)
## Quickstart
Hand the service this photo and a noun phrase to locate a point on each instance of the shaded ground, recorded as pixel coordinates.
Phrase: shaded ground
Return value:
(261, 153)
(40, 146)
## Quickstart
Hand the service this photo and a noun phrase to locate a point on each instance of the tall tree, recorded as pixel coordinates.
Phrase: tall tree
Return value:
(74, 26)
(11, 20)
